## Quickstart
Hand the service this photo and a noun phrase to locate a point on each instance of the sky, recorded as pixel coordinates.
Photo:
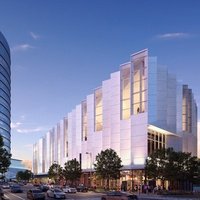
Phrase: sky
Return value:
(62, 49)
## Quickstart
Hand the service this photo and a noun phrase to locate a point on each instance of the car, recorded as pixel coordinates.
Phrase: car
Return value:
(44, 188)
(117, 195)
(68, 189)
(16, 189)
(56, 193)
(82, 188)
(1, 193)
(35, 194)
(5, 186)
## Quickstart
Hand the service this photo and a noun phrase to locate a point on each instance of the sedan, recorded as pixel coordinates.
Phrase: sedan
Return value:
(16, 189)
(35, 194)
(68, 189)
(56, 193)
(116, 195)
(5, 186)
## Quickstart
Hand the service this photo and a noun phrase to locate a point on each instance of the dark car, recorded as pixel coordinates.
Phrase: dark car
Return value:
(44, 188)
(81, 188)
(117, 195)
(16, 189)
(35, 194)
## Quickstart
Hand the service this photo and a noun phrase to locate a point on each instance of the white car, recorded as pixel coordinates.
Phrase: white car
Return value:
(56, 193)
(68, 189)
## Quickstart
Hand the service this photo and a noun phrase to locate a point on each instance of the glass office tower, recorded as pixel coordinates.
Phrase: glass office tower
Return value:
(5, 95)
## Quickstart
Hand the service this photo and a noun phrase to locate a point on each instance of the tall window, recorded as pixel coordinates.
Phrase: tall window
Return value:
(155, 141)
(98, 110)
(84, 121)
(125, 91)
(66, 137)
(139, 86)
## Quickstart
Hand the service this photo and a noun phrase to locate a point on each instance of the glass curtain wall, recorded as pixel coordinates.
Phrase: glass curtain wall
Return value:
(156, 141)
(84, 121)
(139, 86)
(66, 137)
(125, 91)
(98, 110)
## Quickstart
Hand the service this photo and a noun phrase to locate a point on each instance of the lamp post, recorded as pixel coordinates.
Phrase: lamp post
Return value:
(90, 168)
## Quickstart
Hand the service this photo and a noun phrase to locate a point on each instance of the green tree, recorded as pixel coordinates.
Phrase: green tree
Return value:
(20, 176)
(4, 158)
(108, 165)
(156, 164)
(55, 172)
(27, 175)
(72, 170)
(179, 168)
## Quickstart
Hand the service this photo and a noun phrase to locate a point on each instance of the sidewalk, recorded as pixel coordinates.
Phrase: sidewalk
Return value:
(157, 197)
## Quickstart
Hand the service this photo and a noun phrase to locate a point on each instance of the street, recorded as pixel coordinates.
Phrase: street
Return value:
(22, 196)
(87, 196)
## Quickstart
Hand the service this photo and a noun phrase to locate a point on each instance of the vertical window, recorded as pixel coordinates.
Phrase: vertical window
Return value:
(139, 86)
(155, 141)
(125, 91)
(66, 137)
(98, 110)
(84, 121)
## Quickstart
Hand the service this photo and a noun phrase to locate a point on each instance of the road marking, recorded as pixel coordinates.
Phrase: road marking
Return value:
(6, 196)
(17, 196)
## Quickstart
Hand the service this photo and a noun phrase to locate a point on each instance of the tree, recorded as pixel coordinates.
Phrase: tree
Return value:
(72, 170)
(108, 165)
(20, 176)
(179, 168)
(24, 175)
(55, 172)
(4, 158)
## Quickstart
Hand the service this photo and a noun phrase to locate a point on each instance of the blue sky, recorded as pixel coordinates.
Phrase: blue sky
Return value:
(62, 50)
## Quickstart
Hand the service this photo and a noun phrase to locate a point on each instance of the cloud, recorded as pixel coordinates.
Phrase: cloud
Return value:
(14, 125)
(19, 128)
(178, 35)
(34, 36)
(22, 47)
(31, 130)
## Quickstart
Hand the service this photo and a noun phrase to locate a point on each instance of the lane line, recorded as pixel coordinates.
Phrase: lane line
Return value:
(7, 197)
(17, 196)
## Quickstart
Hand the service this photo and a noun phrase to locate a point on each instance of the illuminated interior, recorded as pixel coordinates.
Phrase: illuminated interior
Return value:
(84, 121)
(98, 110)
(125, 92)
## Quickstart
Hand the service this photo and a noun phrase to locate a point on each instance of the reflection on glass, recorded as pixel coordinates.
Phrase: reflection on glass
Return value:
(125, 91)
(139, 86)
(98, 110)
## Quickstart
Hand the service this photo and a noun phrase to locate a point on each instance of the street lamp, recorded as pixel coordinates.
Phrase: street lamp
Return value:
(90, 167)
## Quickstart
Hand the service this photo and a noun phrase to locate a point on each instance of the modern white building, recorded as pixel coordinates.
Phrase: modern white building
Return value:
(140, 108)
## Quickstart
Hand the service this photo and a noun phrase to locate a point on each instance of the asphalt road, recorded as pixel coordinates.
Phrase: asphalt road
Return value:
(85, 196)
(79, 195)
